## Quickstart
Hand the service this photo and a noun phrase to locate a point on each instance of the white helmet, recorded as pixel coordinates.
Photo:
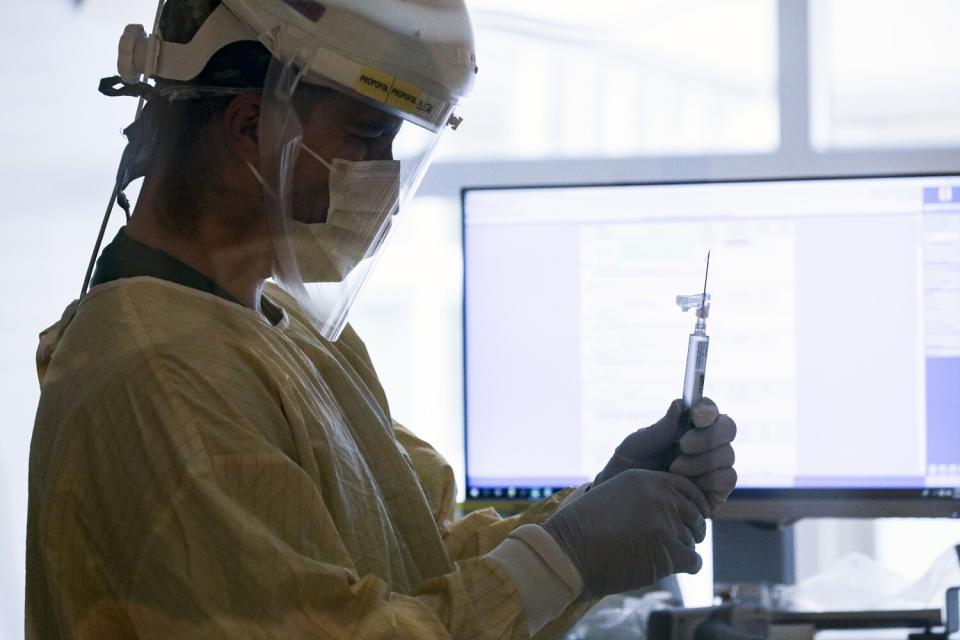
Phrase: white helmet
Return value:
(411, 59)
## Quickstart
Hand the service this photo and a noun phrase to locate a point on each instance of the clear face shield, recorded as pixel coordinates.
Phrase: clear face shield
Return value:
(338, 165)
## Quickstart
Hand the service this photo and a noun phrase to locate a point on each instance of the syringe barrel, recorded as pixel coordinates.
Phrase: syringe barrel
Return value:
(696, 370)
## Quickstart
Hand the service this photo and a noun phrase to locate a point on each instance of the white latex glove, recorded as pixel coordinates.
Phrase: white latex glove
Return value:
(704, 455)
(632, 530)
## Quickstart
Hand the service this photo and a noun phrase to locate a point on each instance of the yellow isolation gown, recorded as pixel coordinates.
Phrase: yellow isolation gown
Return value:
(198, 472)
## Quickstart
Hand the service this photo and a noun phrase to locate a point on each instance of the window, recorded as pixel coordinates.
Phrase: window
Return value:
(620, 78)
(885, 73)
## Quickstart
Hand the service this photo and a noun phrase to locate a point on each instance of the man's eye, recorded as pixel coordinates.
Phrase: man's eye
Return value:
(365, 136)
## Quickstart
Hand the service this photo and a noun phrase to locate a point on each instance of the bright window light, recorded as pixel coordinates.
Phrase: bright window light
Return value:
(884, 73)
(559, 78)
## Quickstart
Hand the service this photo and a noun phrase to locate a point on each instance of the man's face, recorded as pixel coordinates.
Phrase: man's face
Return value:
(337, 126)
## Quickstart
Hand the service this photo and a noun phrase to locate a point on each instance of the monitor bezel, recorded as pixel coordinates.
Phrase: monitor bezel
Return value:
(778, 506)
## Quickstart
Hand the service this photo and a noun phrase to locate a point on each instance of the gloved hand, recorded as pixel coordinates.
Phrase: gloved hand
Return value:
(706, 456)
(632, 530)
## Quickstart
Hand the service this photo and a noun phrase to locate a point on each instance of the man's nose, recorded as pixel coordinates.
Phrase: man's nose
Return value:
(381, 151)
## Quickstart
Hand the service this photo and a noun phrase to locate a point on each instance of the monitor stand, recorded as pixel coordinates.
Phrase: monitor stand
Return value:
(750, 553)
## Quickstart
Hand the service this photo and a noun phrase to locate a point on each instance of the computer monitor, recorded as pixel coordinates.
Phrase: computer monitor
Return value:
(835, 335)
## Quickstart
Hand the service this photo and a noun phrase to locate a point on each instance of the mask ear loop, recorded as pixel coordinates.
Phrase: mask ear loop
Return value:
(263, 183)
(117, 194)
(316, 156)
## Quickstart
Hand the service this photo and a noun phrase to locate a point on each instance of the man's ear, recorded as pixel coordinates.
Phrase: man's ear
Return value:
(242, 127)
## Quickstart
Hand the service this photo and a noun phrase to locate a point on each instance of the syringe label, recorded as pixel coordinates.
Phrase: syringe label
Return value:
(702, 356)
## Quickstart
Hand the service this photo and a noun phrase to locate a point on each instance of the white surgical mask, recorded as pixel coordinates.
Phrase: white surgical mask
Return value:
(363, 195)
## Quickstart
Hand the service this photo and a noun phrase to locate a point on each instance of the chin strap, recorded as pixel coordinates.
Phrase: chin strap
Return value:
(140, 134)
(135, 158)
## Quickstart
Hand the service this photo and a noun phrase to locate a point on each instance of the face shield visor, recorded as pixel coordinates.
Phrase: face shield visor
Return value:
(355, 99)
(338, 166)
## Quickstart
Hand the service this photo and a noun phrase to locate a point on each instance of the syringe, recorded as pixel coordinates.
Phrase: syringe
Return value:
(697, 345)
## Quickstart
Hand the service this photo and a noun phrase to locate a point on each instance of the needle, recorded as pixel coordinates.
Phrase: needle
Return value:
(705, 276)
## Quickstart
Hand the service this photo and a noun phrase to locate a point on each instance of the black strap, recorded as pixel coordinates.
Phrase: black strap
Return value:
(136, 154)
(115, 86)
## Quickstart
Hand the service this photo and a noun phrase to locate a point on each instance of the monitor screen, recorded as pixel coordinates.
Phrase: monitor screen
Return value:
(834, 327)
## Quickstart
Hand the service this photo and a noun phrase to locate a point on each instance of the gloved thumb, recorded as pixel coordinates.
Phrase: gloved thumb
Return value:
(704, 413)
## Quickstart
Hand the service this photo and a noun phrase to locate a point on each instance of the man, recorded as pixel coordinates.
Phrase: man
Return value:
(213, 454)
